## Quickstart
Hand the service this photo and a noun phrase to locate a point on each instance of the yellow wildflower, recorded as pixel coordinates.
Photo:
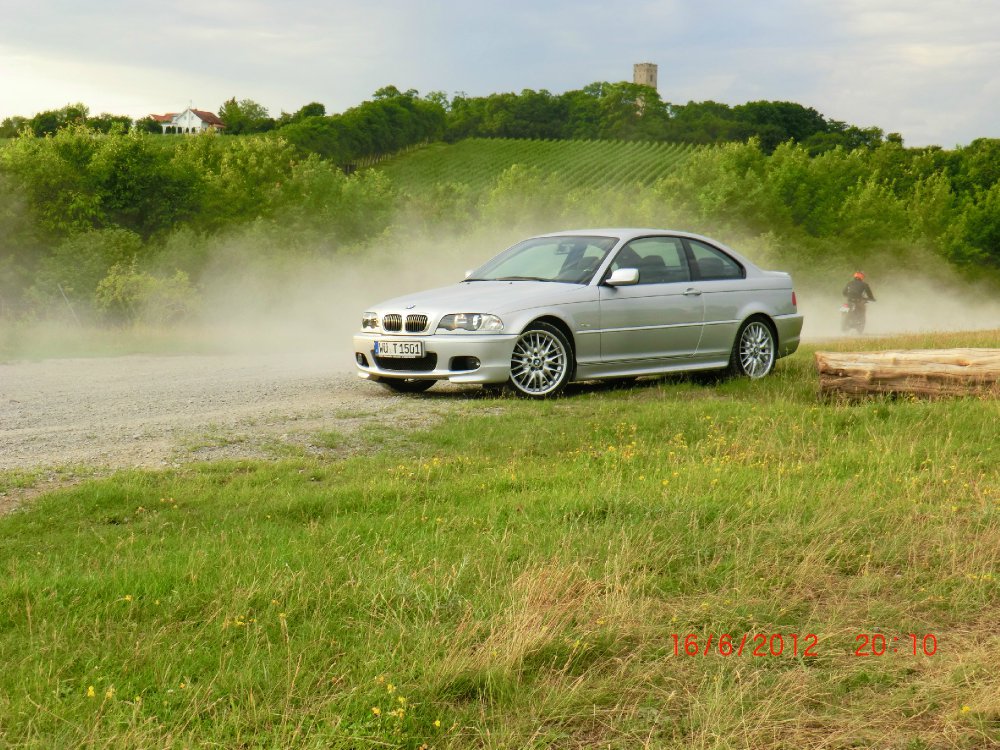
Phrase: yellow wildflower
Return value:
(91, 692)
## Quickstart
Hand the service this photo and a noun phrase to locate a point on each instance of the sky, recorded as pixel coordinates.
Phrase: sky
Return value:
(927, 69)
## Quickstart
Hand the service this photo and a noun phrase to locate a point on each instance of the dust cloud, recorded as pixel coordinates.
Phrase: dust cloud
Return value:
(905, 304)
(304, 305)
(313, 305)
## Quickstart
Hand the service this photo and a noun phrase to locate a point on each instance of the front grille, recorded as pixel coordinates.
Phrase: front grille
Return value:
(416, 323)
(392, 322)
(412, 364)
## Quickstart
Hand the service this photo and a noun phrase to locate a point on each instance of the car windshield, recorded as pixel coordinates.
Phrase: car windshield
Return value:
(571, 260)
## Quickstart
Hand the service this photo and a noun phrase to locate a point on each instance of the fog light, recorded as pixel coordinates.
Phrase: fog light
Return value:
(361, 359)
(464, 364)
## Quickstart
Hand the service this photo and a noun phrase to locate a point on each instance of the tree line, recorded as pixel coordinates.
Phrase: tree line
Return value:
(115, 223)
(628, 111)
(118, 223)
(394, 119)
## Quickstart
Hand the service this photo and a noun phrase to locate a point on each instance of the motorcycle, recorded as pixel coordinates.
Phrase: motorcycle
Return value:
(852, 315)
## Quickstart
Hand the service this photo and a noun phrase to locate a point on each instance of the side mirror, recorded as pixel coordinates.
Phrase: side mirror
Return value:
(623, 277)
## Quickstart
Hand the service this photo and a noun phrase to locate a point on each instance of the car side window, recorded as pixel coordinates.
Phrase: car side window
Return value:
(712, 264)
(660, 260)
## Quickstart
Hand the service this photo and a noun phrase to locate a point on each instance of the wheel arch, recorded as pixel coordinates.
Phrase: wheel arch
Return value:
(756, 308)
(764, 317)
(559, 323)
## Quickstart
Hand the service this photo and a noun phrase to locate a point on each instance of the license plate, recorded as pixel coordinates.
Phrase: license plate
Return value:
(404, 349)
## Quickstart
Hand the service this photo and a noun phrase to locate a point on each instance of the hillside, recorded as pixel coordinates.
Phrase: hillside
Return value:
(478, 162)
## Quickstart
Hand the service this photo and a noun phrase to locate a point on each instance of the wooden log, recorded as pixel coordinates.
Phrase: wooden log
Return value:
(919, 372)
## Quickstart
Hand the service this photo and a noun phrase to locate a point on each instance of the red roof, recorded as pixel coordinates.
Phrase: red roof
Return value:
(207, 117)
(210, 117)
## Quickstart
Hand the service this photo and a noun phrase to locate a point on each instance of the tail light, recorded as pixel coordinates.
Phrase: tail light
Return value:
(795, 302)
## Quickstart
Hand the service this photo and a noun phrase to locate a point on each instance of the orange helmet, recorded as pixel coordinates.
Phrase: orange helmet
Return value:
(859, 275)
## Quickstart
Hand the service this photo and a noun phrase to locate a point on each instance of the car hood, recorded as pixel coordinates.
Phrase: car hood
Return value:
(496, 297)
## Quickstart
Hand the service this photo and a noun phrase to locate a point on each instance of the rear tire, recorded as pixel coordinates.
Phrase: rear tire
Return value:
(754, 351)
(400, 385)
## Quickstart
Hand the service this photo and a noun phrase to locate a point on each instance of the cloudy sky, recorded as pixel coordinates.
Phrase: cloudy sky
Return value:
(925, 68)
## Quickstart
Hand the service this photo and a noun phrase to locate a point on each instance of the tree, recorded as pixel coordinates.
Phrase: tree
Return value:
(313, 109)
(391, 92)
(244, 117)
(979, 168)
(439, 98)
(11, 126)
(50, 121)
(105, 123)
(147, 125)
(781, 121)
(388, 123)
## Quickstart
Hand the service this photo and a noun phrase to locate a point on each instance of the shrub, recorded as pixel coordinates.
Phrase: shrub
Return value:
(127, 295)
(76, 266)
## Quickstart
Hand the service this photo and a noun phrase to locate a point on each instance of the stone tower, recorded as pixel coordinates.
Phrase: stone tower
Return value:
(644, 74)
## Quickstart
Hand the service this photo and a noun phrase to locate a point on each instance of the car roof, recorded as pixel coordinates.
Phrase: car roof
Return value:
(626, 233)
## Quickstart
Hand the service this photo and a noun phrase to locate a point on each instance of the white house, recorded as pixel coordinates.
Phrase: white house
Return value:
(189, 121)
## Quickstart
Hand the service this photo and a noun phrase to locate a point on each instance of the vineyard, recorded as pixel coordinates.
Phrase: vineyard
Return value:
(477, 162)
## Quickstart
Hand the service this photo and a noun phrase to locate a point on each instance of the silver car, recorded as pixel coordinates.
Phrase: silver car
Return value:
(585, 305)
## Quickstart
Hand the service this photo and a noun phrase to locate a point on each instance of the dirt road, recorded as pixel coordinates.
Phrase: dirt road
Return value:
(163, 410)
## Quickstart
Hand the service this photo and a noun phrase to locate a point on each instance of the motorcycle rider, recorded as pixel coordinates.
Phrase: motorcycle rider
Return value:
(857, 289)
(858, 294)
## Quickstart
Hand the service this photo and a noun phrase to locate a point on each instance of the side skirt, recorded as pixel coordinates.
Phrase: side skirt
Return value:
(591, 371)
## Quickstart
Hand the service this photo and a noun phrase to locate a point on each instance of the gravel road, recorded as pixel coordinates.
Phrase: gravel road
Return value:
(150, 411)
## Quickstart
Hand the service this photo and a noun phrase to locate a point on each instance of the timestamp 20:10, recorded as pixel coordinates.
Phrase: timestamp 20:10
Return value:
(878, 644)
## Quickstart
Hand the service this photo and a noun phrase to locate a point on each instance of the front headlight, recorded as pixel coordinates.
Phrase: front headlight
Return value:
(478, 322)
(369, 321)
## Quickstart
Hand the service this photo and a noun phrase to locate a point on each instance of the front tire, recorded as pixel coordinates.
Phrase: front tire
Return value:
(542, 362)
(754, 351)
(408, 385)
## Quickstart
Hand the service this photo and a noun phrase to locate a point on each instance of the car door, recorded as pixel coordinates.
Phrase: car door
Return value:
(661, 316)
(724, 293)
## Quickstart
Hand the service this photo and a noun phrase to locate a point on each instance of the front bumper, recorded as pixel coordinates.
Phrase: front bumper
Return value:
(446, 357)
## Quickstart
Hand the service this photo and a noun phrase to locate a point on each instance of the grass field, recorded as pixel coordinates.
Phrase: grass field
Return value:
(516, 577)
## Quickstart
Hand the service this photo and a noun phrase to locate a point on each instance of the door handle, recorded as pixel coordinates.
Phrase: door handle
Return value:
(692, 292)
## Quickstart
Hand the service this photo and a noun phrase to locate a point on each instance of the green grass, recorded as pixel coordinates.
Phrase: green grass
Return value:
(513, 578)
(478, 162)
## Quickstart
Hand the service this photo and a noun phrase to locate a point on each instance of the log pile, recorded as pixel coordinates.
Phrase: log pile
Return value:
(919, 372)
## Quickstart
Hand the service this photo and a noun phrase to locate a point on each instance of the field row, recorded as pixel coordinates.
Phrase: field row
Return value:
(477, 162)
